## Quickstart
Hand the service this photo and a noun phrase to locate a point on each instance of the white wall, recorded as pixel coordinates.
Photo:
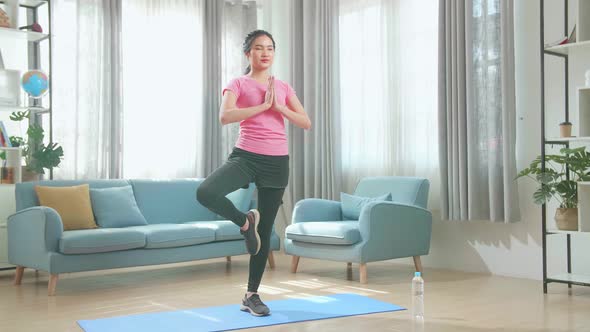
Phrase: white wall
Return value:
(515, 249)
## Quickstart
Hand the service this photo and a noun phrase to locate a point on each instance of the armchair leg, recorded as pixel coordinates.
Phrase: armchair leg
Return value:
(418, 264)
(18, 276)
(271, 260)
(363, 273)
(294, 263)
(52, 284)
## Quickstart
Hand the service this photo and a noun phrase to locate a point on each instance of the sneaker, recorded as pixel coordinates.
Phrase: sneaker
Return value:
(251, 234)
(254, 305)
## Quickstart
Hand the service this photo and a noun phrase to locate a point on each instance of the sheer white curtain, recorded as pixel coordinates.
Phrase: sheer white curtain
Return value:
(85, 90)
(239, 18)
(163, 84)
(388, 68)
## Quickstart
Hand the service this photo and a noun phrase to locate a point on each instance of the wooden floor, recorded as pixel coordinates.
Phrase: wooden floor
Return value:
(455, 301)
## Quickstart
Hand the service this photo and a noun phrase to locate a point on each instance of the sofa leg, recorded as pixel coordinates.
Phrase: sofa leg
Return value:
(363, 273)
(418, 264)
(294, 263)
(18, 276)
(271, 260)
(228, 259)
(52, 284)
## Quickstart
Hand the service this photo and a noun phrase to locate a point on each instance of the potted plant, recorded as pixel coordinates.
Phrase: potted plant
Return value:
(555, 183)
(38, 156)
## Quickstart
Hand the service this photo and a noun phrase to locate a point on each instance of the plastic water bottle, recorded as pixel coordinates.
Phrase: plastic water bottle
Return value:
(418, 298)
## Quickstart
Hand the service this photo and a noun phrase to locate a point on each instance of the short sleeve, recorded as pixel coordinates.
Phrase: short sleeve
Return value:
(290, 91)
(233, 86)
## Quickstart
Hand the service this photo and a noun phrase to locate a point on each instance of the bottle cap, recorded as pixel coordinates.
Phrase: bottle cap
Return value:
(417, 274)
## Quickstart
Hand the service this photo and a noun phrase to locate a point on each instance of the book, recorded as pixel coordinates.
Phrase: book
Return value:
(564, 40)
(4, 138)
(561, 41)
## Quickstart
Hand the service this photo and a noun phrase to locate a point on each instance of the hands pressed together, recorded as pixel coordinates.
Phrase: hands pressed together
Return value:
(270, 99)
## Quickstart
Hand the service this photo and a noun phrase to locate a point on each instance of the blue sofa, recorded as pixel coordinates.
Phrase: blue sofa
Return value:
(179, 229)
(384, 230)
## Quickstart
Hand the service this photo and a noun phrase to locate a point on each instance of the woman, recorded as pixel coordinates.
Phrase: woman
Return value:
(260, 103)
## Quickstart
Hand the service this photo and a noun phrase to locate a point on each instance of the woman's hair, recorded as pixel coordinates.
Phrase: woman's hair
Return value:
(247, 46)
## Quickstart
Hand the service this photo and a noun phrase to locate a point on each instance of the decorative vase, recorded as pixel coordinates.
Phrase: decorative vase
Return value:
(28, 176)
(566, 219)
(565, 129)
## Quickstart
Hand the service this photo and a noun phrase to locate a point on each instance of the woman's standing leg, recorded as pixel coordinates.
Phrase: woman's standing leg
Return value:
(269, 201)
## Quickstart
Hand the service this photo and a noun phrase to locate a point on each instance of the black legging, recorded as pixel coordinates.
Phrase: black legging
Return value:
(271, 175)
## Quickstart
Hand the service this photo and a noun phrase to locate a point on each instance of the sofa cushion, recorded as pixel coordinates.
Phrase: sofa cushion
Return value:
(325, 232)
(225, 230)
(175, 235)
(88, 241)
(71, 203)
(352, 205)
(26, 196)
(170, 201)
(116, 207)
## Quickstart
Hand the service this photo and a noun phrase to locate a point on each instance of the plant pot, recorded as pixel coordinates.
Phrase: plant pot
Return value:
(28, 176)
(566, 219)
(565, 129)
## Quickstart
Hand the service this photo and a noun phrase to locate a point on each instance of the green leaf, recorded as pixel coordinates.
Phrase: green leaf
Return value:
(546, 178)
(16, 141)
(35, 133)
(19, 116)
(542, 195)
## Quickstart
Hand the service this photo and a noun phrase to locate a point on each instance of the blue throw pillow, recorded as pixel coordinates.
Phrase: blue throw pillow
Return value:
(352, 205)
(116, 207)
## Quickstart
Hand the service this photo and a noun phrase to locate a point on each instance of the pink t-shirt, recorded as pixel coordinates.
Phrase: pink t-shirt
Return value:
(263, 133)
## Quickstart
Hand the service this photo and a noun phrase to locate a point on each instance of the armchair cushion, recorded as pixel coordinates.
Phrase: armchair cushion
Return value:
(325, 232)
(352, 205)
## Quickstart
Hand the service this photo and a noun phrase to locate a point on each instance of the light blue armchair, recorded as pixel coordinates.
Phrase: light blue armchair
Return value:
(384, 230)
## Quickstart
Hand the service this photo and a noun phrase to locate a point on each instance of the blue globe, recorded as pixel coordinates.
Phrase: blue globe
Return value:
(35, 83)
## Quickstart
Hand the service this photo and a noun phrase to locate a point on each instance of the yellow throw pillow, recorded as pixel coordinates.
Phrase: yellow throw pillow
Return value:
(72, 204)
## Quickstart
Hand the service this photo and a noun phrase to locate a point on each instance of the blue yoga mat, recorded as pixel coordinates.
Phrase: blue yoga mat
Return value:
(230, 317)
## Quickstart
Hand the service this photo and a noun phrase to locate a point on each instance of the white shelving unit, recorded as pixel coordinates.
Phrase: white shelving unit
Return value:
(575, 279)
(583, 95)
(31, 36)
(10, 109)
(569, 139)
(570, 53)
(30, 11)
(584, 206)
(32, 3)
(575, 233)
(571, 47)
(13, 162)
(582, 20)
(7, 207)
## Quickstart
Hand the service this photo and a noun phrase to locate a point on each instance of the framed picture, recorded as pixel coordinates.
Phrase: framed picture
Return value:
(4, 138)
(9, 87)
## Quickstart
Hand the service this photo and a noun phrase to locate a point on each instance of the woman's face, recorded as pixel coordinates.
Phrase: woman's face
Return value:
(262, 53)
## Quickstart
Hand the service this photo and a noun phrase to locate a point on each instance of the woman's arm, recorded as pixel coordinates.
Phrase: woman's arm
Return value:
(230, 113)
(294, 112)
